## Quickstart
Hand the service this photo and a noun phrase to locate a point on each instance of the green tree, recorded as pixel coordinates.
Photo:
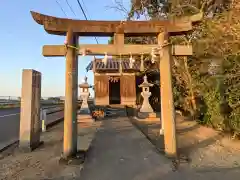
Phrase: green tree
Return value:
(207, 84)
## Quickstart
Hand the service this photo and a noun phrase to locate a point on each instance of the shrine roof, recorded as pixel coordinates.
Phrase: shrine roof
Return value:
(112, 65)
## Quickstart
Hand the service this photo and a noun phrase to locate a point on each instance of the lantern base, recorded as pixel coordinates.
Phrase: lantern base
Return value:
(144, 115)
(148, 117)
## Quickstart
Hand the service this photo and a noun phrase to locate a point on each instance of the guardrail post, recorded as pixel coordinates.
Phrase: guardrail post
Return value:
(43, 119)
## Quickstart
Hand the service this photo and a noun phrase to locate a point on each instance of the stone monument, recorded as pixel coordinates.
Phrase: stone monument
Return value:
(30, 124)
(84, 114)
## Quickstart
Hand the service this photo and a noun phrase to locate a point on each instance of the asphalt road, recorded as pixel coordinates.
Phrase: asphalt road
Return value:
(9, 125)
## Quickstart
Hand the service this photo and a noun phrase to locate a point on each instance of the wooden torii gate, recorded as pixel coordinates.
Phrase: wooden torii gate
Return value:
(72, 29)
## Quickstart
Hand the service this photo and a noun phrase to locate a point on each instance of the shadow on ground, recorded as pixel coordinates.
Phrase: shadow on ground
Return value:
(116, 150)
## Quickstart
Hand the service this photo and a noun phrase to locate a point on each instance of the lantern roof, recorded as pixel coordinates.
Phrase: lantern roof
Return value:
(85, 84)
(145, 83)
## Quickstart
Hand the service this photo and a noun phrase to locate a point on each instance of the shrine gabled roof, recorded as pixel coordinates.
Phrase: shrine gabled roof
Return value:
(112, 65)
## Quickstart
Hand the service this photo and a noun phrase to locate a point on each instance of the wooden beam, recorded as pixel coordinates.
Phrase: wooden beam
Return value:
(54, 50)
(100, 49)
(59, 26)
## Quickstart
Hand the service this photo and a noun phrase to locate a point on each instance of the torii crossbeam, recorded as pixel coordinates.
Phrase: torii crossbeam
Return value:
(119, 29)
(101, 49)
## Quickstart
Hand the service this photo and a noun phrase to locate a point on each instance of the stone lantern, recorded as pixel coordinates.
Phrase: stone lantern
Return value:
(146, 107)
(84, 113)
(84, 95)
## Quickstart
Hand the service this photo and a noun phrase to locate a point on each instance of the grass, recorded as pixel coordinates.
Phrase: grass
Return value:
(9, 106)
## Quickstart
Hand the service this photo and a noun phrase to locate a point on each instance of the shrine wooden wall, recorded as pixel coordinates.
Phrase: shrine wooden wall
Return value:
(101, 89)
(127, 89)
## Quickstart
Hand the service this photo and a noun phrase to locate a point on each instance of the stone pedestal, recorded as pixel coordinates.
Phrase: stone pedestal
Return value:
(152, 115)
(85, 118)
(84, 107)
(146, 107)
(147, 116)
(30, 124)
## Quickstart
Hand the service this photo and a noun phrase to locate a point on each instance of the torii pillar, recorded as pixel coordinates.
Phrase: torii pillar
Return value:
(168, 122)
(70, 106)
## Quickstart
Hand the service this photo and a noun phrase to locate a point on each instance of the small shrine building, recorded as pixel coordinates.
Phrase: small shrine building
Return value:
(114, 84)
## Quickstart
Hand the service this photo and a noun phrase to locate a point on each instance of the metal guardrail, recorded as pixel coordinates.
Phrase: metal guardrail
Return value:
(9, 103)
(18, 103)
(52, 106)
(48, 120)
(48, 111)
(51, 110)
(13, 102)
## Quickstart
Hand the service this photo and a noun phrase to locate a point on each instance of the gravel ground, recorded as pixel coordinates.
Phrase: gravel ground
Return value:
(43, 163)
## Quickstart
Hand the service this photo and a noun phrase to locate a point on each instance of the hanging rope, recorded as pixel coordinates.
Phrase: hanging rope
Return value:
(155, 51)
(131, 61)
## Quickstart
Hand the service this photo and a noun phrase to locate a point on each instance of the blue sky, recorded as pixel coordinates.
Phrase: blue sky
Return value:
(22, 40)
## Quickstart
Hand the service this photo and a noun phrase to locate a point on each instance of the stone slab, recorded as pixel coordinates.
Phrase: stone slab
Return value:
(147, 119)
(152, 119)
(81, 118)
(152, 115)
(86, 134)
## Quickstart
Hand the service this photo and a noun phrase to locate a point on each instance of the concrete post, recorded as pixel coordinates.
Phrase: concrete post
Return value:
(44, 119)
(70, 110)
(167, 105)
(30, 127)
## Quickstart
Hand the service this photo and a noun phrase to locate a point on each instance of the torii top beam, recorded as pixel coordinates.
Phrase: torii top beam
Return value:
(59, 26)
